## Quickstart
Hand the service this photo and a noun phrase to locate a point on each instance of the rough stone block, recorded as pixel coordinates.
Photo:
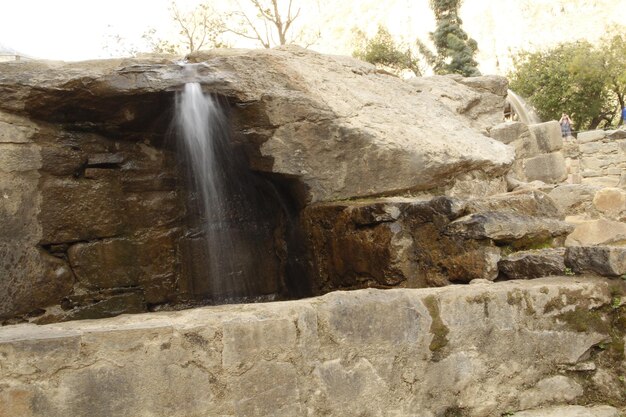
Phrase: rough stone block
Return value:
(573, 198)
(105, 159)
(148, 261)
(75, 210)
(602, 260)
(616, 134)
(599, 148)
(480, 263)
(509, 132)
(19, 157)
(31, 279)
(16, 129)
(610, 201)
(417, 352)
(533, 263)
(571, 411)
(591, 136)
(528, 202)
(600, 162)
(597, 232)
(611, 181)
(556, 389)
(549, 168)
(547, 136)
(505, 227)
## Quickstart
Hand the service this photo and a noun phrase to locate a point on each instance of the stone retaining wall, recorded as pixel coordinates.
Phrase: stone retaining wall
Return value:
(477, 350)
(597, 158)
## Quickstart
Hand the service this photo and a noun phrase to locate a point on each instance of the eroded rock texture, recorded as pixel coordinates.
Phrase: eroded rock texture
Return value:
(474, 351)
(433, 242)
(97, 214)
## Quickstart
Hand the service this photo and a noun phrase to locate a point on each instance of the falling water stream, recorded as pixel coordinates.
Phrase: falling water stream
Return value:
(525, 112)
(242, 241)
(204, 131)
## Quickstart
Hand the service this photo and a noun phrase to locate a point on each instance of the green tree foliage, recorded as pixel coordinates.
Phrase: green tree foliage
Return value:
(571, 78)
(455, 49)
(613, 49)
(382, 50)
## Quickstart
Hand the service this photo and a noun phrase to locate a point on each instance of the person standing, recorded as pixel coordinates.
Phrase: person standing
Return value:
(566, 125)
(624, 116)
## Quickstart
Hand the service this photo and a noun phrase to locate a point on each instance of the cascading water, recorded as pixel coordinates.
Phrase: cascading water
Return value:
(526, 113)
(241, 241)
(203, 130)
(229, 226)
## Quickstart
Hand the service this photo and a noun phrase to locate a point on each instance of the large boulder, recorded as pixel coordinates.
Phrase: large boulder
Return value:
(338, 125)
(94, 188)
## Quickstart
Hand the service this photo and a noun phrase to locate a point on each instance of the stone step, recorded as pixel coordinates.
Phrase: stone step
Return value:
(571, 411)
(480, 349)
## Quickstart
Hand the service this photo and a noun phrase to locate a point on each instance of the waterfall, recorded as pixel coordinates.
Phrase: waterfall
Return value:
(525, 112)
(204, 131)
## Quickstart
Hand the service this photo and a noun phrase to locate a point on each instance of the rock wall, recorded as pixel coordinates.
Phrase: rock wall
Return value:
(597, 158)
(422, 243)
(481, 350)
(538, 155)
(96, 214)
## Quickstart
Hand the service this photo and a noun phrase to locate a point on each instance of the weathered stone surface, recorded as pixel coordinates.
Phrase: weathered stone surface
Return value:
(546, 136)
(533, 263)
(591, 136)
(370, 352)
(549, 168)
(31, 279)
(599, 147)
(610, 201)
(526, 202)
(394, 242)
(509, 132)
(616, 134)
(310, 105)
(80, 210)
(557, 389)
(574, 198)
(601, 181)
(503, 227)
(571, 411)
(15, 129)
(479, 99)
(602, 260)
(596, 232)
(148, 262)
(599, 162)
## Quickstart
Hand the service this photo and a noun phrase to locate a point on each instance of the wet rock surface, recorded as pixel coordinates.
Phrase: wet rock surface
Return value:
(427, 242)
(533, 263)
(96, 194)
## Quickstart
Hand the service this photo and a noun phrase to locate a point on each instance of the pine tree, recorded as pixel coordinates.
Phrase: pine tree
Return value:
(455, 49)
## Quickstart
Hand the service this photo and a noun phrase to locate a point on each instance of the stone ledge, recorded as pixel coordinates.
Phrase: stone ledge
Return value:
(404, 352)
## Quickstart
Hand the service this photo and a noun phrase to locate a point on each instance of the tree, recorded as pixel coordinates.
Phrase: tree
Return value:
(613, 49)
(384, 51)
(200, 28)
(455, 49)
(569, 78)
(271, 26)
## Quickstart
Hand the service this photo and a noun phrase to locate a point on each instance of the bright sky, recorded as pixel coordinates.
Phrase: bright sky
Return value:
(75, 29)
(79, 29)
